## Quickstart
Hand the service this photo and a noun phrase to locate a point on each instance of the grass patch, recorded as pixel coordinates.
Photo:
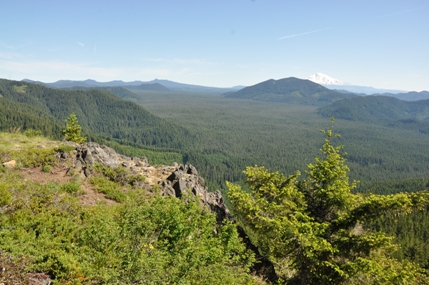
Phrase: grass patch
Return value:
(20, 89)
(36, 157)
(65, 148)
(30, 133)
(110, 189)
(20, 142)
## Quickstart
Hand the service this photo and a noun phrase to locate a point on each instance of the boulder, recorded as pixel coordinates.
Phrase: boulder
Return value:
(9, 164)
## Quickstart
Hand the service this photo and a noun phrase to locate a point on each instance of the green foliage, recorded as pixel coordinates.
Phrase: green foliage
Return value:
(380, 110)
(46, 168)
(5, 196)
(411, 233)
(101, 114)
(145, 240)
(32, 133)
(35, 157)
(119, 175)
(20, 115)
(65, 148)
(110, 189)
(71, 187)
(312, 229)
(73, 130)
(20, 88)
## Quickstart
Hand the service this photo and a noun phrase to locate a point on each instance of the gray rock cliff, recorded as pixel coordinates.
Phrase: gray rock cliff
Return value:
(173, 180)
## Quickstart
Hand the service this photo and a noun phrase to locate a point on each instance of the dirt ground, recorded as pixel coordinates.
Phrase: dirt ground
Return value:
(58, 175)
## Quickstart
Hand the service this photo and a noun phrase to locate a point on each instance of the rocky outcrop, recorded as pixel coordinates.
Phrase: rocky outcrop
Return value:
(174, 180)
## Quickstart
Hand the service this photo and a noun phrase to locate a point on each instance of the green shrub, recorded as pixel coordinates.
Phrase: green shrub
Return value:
(65, 148)
(46, 168)
(5, 196)
(71, 187)
(110, 189)
(36, 157)
(32, 133)
(143, 240)
(119, 174)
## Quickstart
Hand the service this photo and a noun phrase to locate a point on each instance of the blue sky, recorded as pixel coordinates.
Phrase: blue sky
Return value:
(383, 44)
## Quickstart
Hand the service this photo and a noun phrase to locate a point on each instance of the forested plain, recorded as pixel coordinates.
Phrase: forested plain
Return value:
(221, 136)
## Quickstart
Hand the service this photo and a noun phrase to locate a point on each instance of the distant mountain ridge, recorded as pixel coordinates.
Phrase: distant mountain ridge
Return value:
(290, 90)
(170, 85)
(409, 96)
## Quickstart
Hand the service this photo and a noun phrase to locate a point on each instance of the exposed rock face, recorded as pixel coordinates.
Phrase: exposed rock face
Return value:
(172, 180)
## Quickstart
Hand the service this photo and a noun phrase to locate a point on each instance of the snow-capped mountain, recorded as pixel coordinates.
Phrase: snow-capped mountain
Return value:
(324, 79)
(336, 84)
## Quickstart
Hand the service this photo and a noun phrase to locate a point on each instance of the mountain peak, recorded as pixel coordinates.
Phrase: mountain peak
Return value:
(324, 79)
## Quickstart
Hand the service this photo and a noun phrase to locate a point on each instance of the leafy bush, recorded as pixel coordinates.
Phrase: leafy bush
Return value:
(110, 189)
(71, 187)
(142, 241)
(36, 157)
(119, 174)
(46, 168)
(32, 133)
(65, 148)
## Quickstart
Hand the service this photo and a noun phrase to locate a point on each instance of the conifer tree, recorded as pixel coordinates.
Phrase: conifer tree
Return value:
(313, 230)
(73, 130)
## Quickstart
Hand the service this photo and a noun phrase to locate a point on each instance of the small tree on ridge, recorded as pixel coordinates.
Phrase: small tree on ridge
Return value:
(73, 130)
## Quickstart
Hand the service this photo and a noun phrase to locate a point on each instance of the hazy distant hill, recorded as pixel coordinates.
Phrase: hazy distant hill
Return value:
(365, 90)
(409, 96)
(151, 87)
(121, 92)
(171, 85)
(290, 90)
(182, 87)
(376, 109)
(84, 83)
(99, 112)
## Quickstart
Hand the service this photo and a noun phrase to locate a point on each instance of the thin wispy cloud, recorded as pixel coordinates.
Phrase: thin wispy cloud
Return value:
(95, 48)
(399, 12)
(302, 34)
(81, 44)
(16, 47)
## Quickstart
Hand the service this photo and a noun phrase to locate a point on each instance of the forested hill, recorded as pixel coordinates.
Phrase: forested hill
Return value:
(290, 90)
(408, 96)
(377, 109)
(119, 91)
(17, 116)
(99, 112)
